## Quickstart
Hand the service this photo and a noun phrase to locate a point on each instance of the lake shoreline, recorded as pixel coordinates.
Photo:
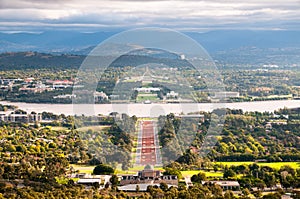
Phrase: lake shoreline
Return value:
(146, 110)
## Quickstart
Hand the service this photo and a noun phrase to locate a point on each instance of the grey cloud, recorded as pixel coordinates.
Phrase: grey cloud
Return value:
(191, 14)
(25, 4)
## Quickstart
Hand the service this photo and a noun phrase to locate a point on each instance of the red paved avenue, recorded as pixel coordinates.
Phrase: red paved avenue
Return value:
(148, 153)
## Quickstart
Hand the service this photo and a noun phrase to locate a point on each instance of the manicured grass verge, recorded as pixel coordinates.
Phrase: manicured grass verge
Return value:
(274, 165)
(208, 174)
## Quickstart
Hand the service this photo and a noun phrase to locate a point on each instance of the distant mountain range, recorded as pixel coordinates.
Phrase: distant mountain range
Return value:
(213, 41)
(225, 46)
(51, 41)
(223, 40)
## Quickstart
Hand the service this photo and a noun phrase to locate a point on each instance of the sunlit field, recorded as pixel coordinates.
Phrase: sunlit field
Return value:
(274, 165)
(208, 174)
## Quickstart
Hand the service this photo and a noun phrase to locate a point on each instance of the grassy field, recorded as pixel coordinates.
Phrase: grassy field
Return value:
(139, 168)
(274, 165)
(208, 174)
(83, 168)
(212, 174)
(94, 128)
(58, 128)
(121, 172)
(145, 98)
(89, 169)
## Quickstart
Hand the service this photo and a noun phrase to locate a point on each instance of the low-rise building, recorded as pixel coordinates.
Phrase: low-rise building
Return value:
(60, 84)
(149, 176)
(226, 95)
(20, 116)
(39, 87)
(172, 95)
(89, 181)
(141, 187)
(67, 96)
(225, 185)
(262, 89)
(147, 89)
(100, 96)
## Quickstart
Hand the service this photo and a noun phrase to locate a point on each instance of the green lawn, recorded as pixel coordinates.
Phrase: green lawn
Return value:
(94, 128)
(120, 172)
(89, 169)
(147, 96)
(208, 174)
(274, 165)
(83, 168)
(58, 128)
(139, 168)
(147, 119)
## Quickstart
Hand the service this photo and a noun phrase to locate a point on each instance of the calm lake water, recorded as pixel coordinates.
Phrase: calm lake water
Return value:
(146, 110)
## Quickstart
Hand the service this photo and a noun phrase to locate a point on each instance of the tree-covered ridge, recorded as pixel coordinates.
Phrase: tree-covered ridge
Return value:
(35, 60)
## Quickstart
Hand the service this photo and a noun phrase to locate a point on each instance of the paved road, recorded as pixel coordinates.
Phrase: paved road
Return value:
(148, 151)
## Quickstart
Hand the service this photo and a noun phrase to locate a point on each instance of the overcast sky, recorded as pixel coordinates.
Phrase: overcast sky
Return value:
(92, 15)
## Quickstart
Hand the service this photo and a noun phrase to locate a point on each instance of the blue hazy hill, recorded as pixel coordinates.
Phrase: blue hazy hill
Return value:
(82, 43)
(51, 41)
(232, 39)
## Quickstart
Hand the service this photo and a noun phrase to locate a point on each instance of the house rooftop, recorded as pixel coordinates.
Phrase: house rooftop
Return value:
(142, 187)
(89, 180)
(223, 183)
